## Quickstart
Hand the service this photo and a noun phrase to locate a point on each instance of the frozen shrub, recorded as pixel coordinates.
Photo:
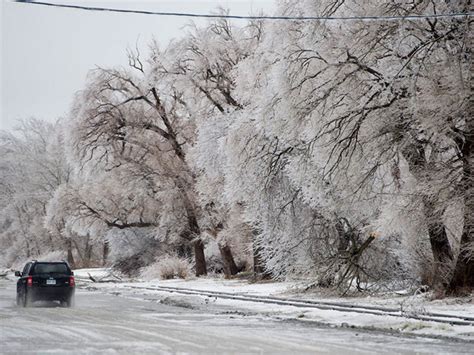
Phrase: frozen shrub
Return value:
(131, 265)
(168, 267)
(131, 250)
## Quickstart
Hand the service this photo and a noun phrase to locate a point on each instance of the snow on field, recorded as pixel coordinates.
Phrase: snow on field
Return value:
(137, 289)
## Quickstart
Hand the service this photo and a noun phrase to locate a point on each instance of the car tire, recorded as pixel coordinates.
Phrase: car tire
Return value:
(68, 302)
(19, 301)
(26, 300)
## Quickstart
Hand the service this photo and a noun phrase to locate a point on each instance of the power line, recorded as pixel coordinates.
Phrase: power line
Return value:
(237, 17)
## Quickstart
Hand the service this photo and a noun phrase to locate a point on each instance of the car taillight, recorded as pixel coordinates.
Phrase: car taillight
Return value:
(72, 282)
(29, 281)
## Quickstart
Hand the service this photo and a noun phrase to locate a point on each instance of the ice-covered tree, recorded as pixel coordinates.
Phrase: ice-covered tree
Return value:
(353, 110)
(138, 119)
(32, 166)
(204, 67)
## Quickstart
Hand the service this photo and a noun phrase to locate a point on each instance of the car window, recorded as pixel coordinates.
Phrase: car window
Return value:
(50, 269)
(25, 269)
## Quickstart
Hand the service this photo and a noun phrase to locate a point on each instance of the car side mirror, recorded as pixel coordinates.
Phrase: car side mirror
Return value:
(17, 273)
(72, 272)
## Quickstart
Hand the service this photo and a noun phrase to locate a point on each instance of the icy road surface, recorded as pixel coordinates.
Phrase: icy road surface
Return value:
(108, 324)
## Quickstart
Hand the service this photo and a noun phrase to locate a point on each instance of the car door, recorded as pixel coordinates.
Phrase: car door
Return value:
(21, 283)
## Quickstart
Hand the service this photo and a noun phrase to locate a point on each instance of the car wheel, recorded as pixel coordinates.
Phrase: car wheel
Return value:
(66, 303)
(26, 300)
(69, 302)
(19, 301)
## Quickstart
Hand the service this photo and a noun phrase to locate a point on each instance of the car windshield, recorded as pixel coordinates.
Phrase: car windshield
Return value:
(50, 269)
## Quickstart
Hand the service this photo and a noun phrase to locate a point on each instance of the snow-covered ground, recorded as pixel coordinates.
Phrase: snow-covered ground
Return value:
(413, 305)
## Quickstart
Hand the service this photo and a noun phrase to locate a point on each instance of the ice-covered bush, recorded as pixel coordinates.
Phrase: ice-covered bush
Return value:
(168, 267)
(133, 249)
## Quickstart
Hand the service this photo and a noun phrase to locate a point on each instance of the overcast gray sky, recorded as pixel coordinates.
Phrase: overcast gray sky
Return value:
(46, 52)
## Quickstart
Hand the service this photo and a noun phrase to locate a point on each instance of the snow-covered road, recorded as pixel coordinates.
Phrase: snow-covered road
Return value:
(102, 323)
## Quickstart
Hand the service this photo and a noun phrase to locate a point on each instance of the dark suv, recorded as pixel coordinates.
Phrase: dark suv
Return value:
(46, 281)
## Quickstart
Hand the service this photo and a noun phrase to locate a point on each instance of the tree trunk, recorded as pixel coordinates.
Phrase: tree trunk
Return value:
(194, 231)
(38, 249)
(105, 253)
(78, 248)
(88, 254)
(230, 268)
(258, 268)
(70, 256)
(28, 251)
(463, 276)
(199, 257)
(440, 247)
(343, 236)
